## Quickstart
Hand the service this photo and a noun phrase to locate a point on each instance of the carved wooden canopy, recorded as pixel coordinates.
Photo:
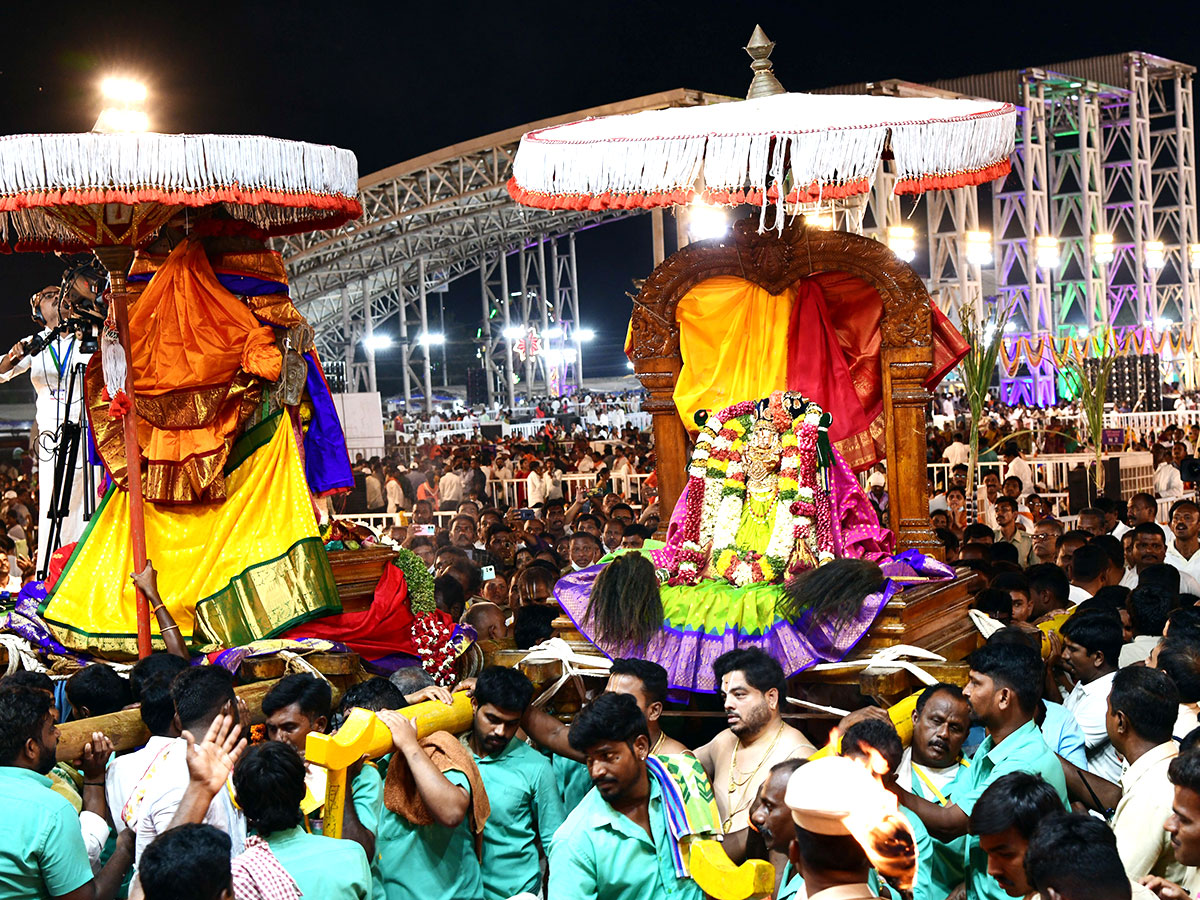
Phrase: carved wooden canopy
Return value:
(775, 261)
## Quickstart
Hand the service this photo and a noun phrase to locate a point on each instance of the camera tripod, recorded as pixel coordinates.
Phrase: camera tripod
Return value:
(66, 452)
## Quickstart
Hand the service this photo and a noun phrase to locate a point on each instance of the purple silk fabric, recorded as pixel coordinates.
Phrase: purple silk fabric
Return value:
(687, 649)
(326, 461)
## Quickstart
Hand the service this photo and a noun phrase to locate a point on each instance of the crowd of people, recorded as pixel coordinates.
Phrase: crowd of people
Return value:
(1067, 767)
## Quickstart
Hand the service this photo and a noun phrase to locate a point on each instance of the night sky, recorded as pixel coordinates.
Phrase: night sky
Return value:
(393, 81)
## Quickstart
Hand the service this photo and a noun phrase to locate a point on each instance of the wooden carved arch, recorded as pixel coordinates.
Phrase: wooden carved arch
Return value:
(774, 262)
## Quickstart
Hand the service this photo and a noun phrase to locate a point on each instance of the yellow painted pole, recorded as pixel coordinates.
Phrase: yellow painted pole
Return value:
(364, 734)
(716, 875)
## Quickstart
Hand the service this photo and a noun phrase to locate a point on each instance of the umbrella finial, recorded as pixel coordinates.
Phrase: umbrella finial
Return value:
(764, 83)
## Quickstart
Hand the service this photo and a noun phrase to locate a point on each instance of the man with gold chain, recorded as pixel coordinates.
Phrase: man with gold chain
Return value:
(739, 759)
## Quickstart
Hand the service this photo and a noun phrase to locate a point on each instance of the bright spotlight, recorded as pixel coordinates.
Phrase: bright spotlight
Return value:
(427, 340)
(821, 220)
(126, 91)
(1156, 255)
(979, 248)
(902, 241)
(630, 365)
(1046, 252)
(553, 332)
(114, 120)
(377, 342)
(513, 333)
(707, 222)
(1102, 249)
(584, 334)
(1194, 254)
(1010, 327)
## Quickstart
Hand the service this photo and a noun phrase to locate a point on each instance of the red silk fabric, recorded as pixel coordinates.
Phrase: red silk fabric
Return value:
(834, 358)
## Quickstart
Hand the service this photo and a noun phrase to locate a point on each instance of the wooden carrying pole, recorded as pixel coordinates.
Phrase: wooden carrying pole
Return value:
(116, 259)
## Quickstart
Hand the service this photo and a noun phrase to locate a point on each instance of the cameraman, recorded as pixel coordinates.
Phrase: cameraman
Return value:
(50, 373)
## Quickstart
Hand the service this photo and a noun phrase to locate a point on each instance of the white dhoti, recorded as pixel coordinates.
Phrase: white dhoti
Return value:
(50, 374)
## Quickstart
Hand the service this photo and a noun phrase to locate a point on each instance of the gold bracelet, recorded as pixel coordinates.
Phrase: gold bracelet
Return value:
(168, 628)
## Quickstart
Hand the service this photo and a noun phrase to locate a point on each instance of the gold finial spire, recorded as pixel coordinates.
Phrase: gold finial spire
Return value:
(764, 83)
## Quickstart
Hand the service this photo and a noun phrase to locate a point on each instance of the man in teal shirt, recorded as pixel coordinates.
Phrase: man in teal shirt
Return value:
(1003, 690)
(521, 787)
(41, 847)
(269, 780)
(299, 705)
(437, 861)
(616, 844)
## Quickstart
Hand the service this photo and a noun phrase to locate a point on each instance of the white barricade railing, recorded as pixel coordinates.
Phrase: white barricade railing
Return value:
(524, 429)
(1052, 470)
(447, 433)
(1142, 423)
(511, 491)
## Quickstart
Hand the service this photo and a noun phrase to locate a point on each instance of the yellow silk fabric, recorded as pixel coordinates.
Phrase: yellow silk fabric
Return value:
(733, 339)
(245, 560)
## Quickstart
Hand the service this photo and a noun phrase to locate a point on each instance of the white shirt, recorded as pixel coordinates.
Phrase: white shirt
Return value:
(1120, 530)
(395, 495)
(450, 488)
(1146, 798)
(1130, 578)
(1077, 595)
(537, 488)
(1186, 721)
(126, 771)
(1138, 649)
(165, 789)
(1167, 483)
(956, 454)
(586, 465)
(1190, 567)
(1018, 468)
(1088, 703)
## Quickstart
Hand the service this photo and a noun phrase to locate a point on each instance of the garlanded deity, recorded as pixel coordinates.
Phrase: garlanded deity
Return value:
(758, 506)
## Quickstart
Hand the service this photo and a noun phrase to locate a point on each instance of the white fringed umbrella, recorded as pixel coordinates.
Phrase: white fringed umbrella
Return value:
(110, 193)
(787, 148)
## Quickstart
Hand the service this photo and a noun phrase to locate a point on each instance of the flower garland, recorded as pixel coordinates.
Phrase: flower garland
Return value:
(717, 496)
(431, 634)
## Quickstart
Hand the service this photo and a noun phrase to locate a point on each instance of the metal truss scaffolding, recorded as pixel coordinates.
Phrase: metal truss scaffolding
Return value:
(430, 221)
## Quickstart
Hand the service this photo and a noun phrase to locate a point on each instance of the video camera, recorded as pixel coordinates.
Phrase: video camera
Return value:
(82, 307)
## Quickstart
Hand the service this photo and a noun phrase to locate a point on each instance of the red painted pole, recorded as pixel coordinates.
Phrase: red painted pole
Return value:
(117, 269)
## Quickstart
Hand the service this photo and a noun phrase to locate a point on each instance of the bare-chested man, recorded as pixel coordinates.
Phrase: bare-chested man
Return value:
(739, 759)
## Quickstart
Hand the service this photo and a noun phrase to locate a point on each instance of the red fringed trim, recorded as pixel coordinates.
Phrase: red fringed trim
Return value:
(955, 180)
(120, 405)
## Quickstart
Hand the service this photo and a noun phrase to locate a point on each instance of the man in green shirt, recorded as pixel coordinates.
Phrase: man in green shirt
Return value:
(41, 847)
(1003, 689)
(437, 861)
(269, 780)
(616, 844)
(521, 788)
(297, 706)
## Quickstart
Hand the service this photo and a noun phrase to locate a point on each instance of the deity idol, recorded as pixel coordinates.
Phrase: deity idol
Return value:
(772, 544)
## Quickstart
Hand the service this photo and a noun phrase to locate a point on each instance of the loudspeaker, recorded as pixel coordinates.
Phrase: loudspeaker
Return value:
(335, 375)
(491, 432)
(476, 386)
(1081, 490)
(1135, 382)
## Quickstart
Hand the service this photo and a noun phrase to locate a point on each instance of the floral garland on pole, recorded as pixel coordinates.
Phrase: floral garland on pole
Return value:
(717, 495)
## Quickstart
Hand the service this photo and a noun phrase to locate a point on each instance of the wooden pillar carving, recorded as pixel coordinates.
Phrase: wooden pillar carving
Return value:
(904, 372)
